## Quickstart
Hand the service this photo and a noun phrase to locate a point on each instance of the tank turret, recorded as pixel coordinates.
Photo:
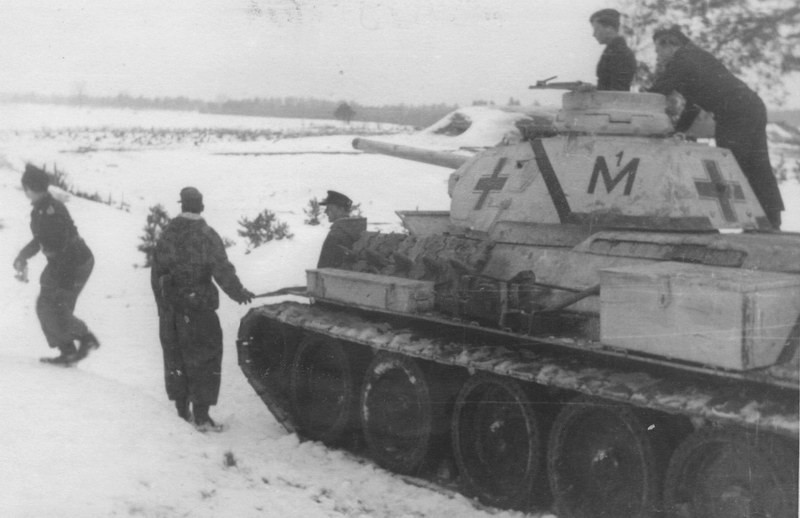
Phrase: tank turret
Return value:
(603, 323)
(611, 166)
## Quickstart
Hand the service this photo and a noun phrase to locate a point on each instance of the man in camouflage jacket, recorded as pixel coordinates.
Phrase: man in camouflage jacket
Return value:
(69, 265)
(188, 255)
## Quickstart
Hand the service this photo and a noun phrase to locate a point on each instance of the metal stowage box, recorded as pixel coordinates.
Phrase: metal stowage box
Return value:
(370, 290)
(722, 317)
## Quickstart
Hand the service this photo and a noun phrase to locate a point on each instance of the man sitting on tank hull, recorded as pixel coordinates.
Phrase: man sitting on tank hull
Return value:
(345, 230)
(739, 113)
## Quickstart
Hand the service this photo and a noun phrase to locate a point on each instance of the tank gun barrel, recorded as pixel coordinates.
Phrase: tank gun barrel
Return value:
(440, 158)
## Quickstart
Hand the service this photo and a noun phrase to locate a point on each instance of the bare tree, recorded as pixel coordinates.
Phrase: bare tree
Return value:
(758, 40)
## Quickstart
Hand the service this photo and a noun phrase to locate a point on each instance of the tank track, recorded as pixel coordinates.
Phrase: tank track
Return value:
(696, 396)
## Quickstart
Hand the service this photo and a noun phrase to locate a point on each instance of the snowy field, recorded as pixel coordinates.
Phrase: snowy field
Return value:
(101, 439)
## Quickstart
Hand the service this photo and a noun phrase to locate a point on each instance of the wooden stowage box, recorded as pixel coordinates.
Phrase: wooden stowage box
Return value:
(370, 290)
(723, 317)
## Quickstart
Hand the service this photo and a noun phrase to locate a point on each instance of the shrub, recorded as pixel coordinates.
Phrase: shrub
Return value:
(157, 221)
(263, 229)
(313, 212)
(59, 179)
(355, 211)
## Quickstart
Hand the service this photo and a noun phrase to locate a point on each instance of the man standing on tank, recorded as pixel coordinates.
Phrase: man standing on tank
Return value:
(739, 113)
(69, 265)
(617, 65)
(188, 255)
(345, 230)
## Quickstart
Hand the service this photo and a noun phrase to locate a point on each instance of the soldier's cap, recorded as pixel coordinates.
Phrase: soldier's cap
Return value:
(35, 179)
(190, 194)
(672, 34)
(337, 198)
(607, 17)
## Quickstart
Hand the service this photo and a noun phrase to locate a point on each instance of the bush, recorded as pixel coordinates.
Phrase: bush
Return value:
(157, 221)
(313, 212)
(59, 179)
(263, 229)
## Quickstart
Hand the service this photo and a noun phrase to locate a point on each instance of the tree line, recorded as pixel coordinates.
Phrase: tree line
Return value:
(285, 107)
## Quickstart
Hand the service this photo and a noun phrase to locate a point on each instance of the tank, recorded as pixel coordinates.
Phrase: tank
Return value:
(604, 324)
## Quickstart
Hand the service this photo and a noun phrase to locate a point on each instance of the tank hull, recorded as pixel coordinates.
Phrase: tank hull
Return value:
(745, 400)
(562, 371)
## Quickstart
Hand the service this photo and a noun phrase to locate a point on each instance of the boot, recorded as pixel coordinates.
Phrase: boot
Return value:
(202, 421)
(88, 344)
(184, 412)
(69, 355)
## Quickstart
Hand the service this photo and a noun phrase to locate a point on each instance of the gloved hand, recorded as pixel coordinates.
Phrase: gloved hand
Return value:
(246, 297)
(21, 267)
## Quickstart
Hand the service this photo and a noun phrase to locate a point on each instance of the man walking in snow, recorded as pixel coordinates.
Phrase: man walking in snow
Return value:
(617, 65)
(69, 265)
(188, 255)
(344, 232)
(739, 113)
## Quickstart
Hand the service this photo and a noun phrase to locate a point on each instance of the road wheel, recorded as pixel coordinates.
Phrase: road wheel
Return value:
(398, 415)
(601, 462)
(271, 350)
(497, 441)
(324, 389)
(732, 474)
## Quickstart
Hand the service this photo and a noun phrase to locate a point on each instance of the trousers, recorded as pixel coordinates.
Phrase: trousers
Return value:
(55, 305)
(191, 340)
(742, 130)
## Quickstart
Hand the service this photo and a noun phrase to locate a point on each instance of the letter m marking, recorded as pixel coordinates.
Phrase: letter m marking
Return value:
(601, 168)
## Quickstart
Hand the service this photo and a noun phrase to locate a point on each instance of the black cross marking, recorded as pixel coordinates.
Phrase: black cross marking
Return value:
(490, 183)
(720, 190)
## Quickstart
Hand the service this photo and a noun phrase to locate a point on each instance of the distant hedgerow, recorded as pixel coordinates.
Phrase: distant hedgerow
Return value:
(313, 212)
(264, 228)
(157, 221)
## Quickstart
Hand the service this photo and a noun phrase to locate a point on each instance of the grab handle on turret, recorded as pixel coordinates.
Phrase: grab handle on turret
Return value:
(545, 84)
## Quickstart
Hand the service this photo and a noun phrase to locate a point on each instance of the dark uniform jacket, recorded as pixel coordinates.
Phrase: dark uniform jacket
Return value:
(343, 234)
(188, 255)
(616, 67)
(55, 234)
(704, 82)
(739, 115)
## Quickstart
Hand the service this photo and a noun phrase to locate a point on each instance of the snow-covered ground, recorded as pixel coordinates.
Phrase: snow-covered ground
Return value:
(101, 439)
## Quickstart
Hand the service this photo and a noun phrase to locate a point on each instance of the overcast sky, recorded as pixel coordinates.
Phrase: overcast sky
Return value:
(369, 51)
